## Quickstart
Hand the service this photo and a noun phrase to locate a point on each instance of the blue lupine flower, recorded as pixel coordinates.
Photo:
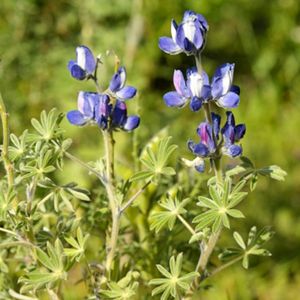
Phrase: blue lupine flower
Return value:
(209, 134)
(85, 63)
(231, 134)
(117, 86)
(88, 103)
(188, 37)
(120, 119)
(223, 92)
(94, 108)
(194, 89)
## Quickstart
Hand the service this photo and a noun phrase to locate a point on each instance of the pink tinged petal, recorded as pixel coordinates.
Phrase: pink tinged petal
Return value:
(126, 92)
(173, 99)
(131, 123)
(180, 84)
(230, 100)
(167, 45)
(75, 117)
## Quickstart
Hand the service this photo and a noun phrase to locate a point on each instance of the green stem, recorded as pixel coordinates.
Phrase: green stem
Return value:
(213, 239)
(186, 224)
(5, 128)
(228, 264)
(110, 188)
(134, 197)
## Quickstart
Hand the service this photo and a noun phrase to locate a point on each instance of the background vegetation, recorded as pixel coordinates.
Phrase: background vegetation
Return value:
(37, 39)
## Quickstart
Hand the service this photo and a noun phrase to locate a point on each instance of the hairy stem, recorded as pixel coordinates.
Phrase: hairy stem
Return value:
(5, 128)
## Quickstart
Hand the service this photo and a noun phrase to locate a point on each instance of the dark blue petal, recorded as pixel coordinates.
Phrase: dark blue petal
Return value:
(119, 114)
(75, 117)
(206, 93)
(174, 99)
(167, 45)
(229, 135)
(216, 120)
(85, 59)
(201, 150)
(239, 132)
(236, 89)
(230, 100)
(127, 92)
(131, 123)
(77, 72)
(233, 150)
(195, 104)
(102, 122)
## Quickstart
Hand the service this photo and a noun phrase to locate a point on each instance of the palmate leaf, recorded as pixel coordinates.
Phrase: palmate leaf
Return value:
(78, 245)
(53, 262)
(124, 289)
(220, 206)
(173, 283)
(172, 208)
(155, 158)
(252, 247)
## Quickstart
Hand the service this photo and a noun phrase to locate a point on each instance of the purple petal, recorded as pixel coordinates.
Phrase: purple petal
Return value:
(71, 64)
(222, 80)
(200, 149)
(103, 108)
(204, 130)
(85, 59)
(206, 93)
(119, 114)
(77, 72)
(233, 150)
(195, 104)
(75, 117)
(87, 103)
(180, 84)
(229, 135)
(230, 100)
(126, 92)
(174, 27)
(167, 45)
(118, 80)
(203, 22)
(174, 99)
(131, 123)
(239, 132)
(200, 167)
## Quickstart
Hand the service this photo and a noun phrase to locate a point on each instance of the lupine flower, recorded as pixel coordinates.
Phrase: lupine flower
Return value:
(85, 63)
(195, 89)
(209, 135)
(117, 86)
(88, 108)
(231, 134)
(223, 92)
(188, 37)
(94, 108)
(120, 119)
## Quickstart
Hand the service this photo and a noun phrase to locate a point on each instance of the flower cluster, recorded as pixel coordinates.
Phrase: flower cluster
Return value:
(108, 110)
(198, 90)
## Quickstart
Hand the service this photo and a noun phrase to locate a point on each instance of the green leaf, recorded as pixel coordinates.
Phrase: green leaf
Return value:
(235, 213)
(173, 283)
(239, 240)
(142, 175)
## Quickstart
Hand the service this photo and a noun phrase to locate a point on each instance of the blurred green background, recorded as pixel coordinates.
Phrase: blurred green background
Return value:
(38, 37)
